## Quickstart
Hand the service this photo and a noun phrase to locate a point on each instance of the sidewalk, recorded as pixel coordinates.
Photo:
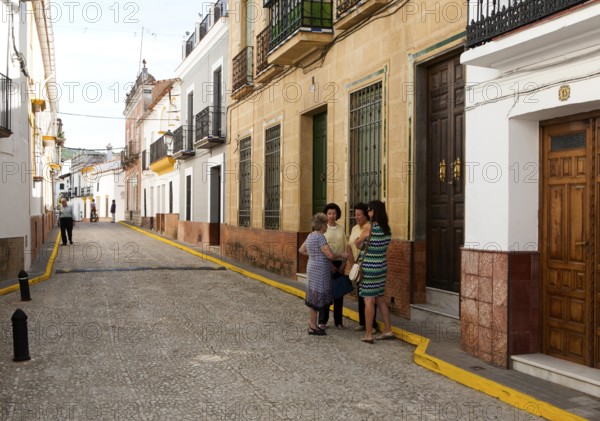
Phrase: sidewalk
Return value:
(438, 348)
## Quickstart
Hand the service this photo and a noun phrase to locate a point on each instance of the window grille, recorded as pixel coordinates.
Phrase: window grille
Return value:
(245, 182)
(272, 177)
(365, 145)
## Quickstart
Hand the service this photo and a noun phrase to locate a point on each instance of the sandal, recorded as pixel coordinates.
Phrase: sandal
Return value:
(384, 336)
(316, 332)
(367, 340)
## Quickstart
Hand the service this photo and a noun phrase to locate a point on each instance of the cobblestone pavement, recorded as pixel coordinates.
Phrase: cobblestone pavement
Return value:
(123, 336)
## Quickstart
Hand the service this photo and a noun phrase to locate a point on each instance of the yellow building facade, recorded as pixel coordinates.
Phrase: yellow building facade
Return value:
(337, 102)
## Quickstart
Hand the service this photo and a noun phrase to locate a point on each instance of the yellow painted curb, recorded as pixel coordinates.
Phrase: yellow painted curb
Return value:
(507, 395)
(44, 277)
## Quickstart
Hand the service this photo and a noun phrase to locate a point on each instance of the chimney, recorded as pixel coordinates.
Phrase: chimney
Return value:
(109, 152)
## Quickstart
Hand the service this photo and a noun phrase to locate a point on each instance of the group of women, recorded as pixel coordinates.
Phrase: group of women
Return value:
(330, 253)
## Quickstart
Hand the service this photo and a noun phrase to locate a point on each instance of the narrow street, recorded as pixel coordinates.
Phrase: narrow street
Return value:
(118, 334)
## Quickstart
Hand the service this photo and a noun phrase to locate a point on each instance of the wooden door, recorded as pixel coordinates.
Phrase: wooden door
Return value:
(445, 184)
(595, 248)
(567, 242)
(319, 162)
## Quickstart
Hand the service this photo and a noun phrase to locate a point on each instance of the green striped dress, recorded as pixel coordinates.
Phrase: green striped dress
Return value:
(374, 267)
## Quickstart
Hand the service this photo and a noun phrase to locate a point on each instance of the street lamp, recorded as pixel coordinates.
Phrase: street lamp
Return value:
(168, 138)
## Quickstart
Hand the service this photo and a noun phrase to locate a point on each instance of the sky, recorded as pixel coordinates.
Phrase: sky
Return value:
(98, 52)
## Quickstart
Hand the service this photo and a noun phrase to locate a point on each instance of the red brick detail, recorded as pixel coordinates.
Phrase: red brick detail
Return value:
(275, 251)
(419, 291)
(397, 285)
(198, 233)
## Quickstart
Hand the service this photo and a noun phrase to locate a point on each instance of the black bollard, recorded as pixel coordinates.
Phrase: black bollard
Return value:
(20, 336)
(24, 286)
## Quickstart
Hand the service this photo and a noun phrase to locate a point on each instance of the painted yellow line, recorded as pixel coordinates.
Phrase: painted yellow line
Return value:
(507, 395)
(44, 277)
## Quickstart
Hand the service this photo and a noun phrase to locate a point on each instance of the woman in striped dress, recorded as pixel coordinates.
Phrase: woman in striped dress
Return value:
(375, 240)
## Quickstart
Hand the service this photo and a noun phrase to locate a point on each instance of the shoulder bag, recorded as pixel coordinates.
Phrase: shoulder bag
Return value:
(355, 274)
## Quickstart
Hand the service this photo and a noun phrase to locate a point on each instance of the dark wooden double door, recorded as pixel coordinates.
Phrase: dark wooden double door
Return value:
(570, 207)
(445, 182)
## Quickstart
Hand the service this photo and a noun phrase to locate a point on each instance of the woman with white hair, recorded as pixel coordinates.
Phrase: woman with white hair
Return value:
(318, 290)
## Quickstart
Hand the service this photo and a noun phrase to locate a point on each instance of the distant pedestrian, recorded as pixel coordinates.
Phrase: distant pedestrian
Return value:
(113, 210)
(65, 212)
(318, 290)
(93, 213)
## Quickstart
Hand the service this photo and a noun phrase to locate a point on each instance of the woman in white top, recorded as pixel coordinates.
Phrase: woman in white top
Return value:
(336, 239)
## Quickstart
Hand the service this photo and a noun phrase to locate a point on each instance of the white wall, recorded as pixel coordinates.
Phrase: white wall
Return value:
(505, 102)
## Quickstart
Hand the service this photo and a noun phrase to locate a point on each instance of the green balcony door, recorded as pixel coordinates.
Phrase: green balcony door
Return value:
(319, 162)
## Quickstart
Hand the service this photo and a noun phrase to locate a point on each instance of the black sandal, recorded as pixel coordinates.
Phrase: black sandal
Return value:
(316, 332)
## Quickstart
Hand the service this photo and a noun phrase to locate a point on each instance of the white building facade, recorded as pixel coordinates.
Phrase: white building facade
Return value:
(28, 133)
(532, 236)
(200, 150)
(160, 181)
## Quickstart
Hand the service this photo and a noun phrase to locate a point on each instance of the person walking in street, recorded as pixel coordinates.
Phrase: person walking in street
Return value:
(375, 239)
(113, 210)
(318, 291)
(93, 213)
(362, 222)
(336, 239)
(65, 214)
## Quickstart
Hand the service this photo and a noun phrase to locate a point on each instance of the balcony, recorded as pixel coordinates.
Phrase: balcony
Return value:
(242, 73)
(145, 160)
(219, 10)
(5, 90)
(190, 44)
(210, 128)
(299, 27)
(489, 19)
(350, 12)
(161, 161)
(129, 155)
(264, 70)
(182, 143)
(215, 14)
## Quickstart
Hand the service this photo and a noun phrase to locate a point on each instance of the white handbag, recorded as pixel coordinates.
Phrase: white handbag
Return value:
(355, 272)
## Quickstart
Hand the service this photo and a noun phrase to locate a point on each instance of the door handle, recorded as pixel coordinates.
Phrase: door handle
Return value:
(581, 243)
(442, 171)
(456, 169)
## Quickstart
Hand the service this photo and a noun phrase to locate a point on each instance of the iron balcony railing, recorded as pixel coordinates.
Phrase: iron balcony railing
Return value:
(158, 149)
(215, 13)
(182, 139)
(489, 19)
(342, 6)
(290, 16)
(242, 69)
(210, 123)
(262, 50)
(5, 90)
(219, 10)
(190, 44)
(204, 25)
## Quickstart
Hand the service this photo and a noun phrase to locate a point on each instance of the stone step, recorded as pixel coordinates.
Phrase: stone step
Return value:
(571, 375)
(447, 301)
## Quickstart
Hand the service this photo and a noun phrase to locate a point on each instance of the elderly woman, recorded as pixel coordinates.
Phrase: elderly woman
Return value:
(318, 291)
